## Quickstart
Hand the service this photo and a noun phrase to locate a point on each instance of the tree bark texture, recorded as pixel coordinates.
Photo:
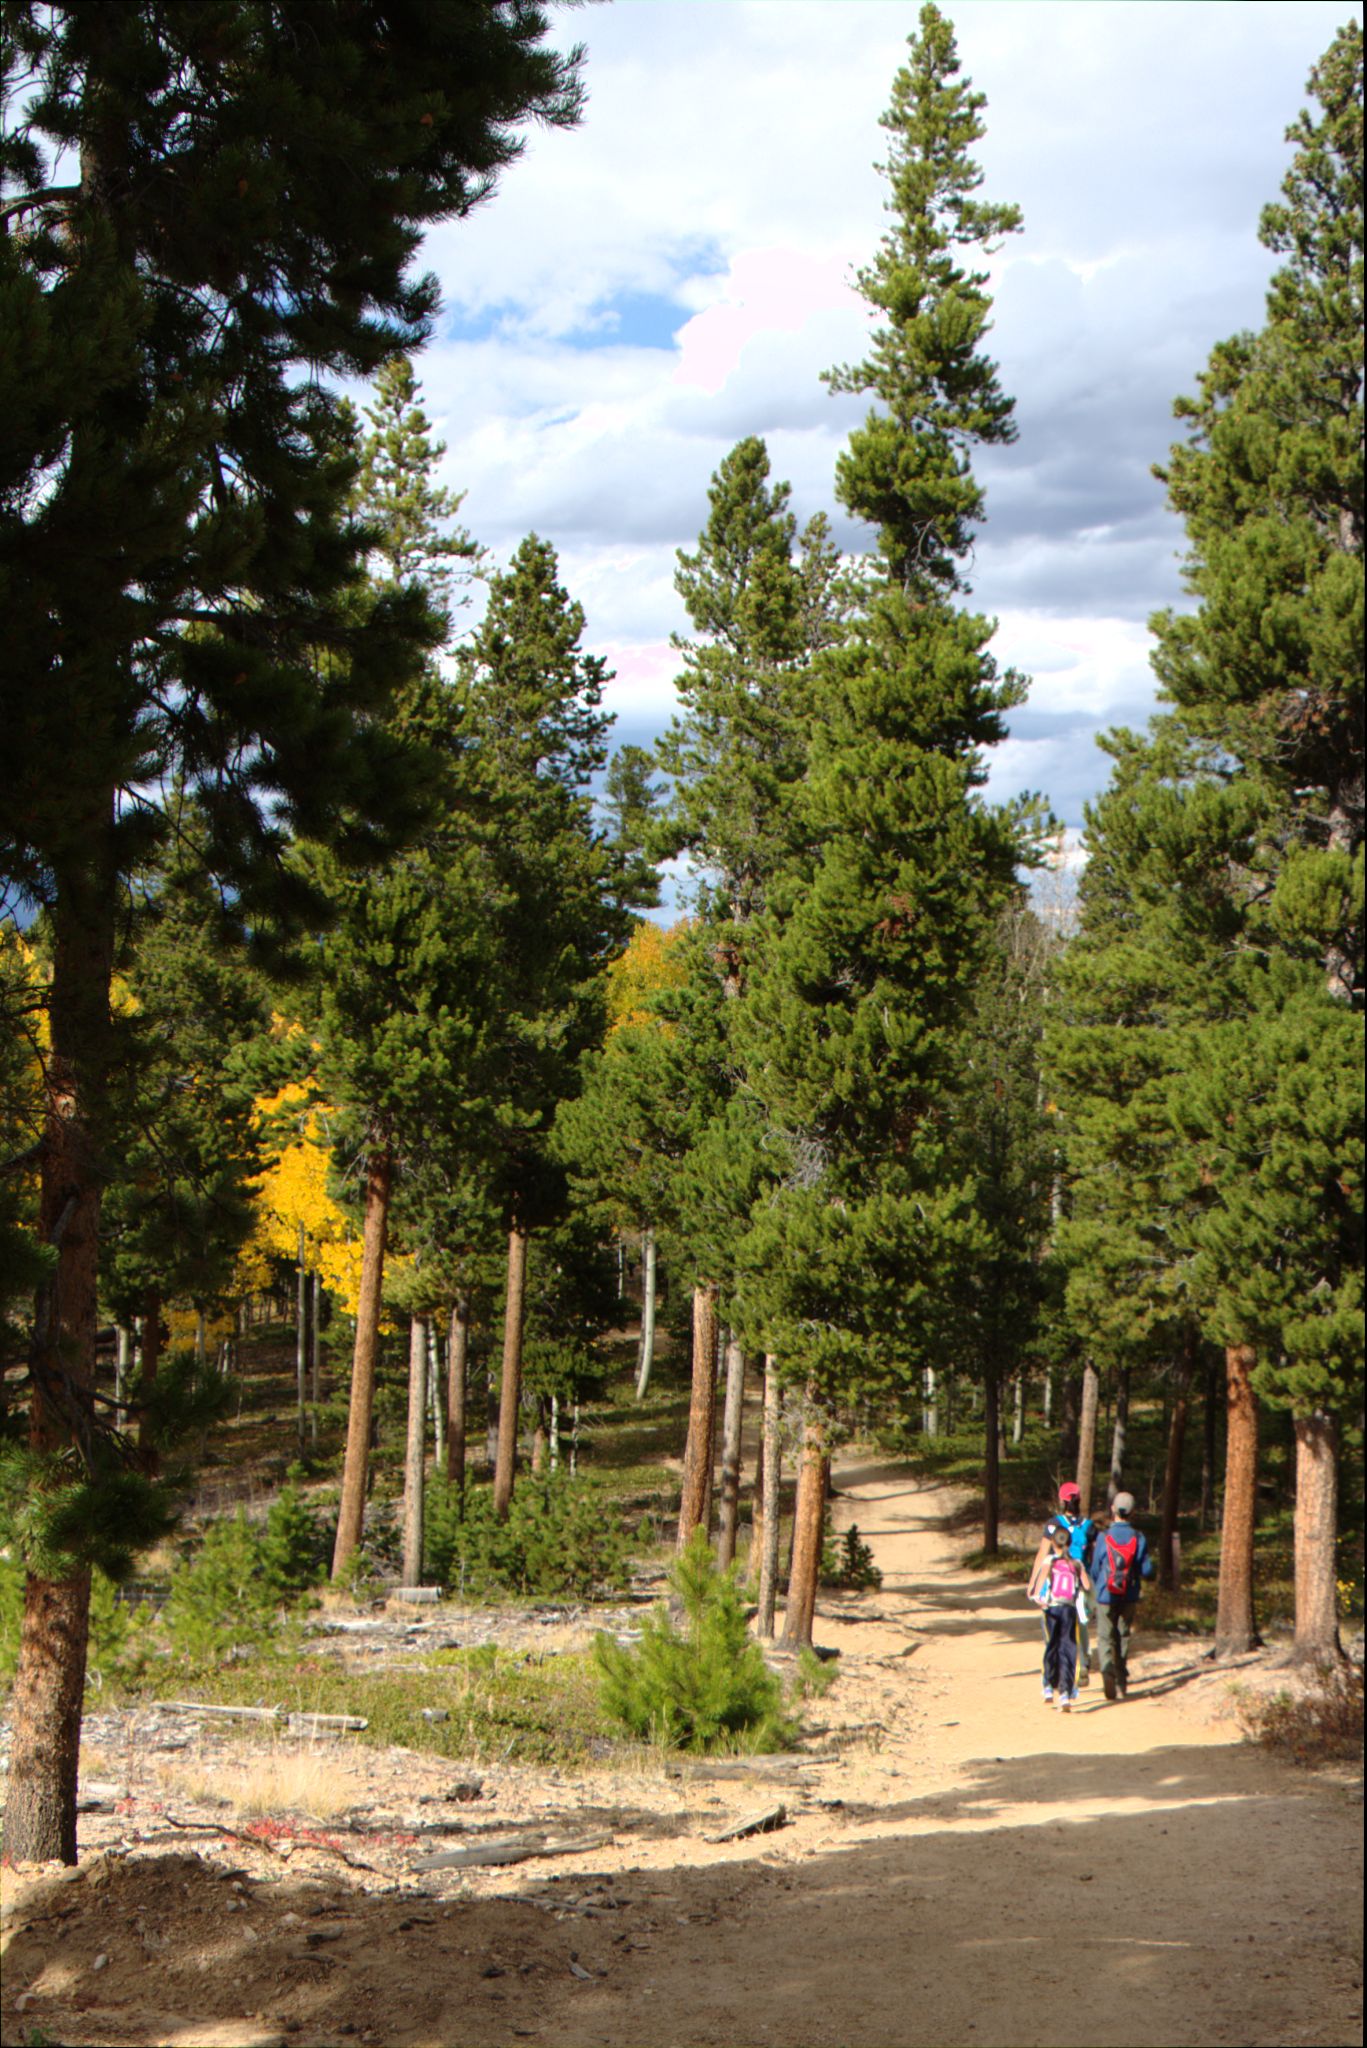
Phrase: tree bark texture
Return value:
(808, 1519)
(1317, 1623)
(697, 1473)
(730, 1451)
(1086, 1436)
(356, 1466)
(1235, 1626)
(415, 1452)
(1119, 1432)
(510, 1393)
(648, 1302)
(49, 1682)
(991, 1462)
(769, 1498)
(457, 1355)
(1172, 1476)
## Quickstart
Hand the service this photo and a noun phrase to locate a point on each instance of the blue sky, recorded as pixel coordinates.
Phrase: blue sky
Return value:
(675, 274)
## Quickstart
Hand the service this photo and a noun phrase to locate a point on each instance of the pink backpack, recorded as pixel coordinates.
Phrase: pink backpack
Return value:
(1065, 1582)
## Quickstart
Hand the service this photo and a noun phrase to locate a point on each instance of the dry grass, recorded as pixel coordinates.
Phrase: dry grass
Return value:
(1319, 1720)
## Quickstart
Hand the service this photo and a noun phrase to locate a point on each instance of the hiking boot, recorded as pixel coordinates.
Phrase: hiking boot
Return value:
(1048, 1695)
(1066, 1704)
(1084, 1676)
(1108, 1684)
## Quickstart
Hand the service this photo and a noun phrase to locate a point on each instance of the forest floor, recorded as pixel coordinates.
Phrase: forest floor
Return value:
(955, 1864)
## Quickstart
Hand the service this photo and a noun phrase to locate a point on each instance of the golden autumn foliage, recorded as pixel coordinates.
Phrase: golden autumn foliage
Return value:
(652, 960)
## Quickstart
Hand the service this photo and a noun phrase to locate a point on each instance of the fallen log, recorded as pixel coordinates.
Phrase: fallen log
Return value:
(211, 1708)
(753, 1824)
(510, 1849)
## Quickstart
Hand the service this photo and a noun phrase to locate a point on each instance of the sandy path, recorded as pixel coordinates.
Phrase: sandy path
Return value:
(972, 1869)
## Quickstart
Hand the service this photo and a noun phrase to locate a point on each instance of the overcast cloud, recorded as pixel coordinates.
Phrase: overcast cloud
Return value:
(676, 274)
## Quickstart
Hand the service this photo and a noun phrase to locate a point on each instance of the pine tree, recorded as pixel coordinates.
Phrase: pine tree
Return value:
(176, 566)
(412, 517)
(871, 936)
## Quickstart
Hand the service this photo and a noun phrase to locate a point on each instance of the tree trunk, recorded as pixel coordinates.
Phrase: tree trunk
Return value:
(1018, 1410)
(1235, 1626)
(510, 1394)
(772, 1453)
(436, 1397)
(316, 1347)
(301, 1339)
(1210, 1444)
(490, 1420)
(648, 1297)
(991, 1462)
(1086, 1436)
(697, 1472)
(415, 1452)
(540, 1435)
(730, 1451)
(123, 1370)
(1048, 1398)
(1317, 1626)
(1119, 1432)
(554, 1438)
(1068, 1421)
(1172, 1475)
(356, 1467)
(808, 1519)
(457, 1353)
(49, 1682)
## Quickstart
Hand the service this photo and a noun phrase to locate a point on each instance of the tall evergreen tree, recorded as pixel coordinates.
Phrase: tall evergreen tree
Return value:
(872, 934)
(175, 558)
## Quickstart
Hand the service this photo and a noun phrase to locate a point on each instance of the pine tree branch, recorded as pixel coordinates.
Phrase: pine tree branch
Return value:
(28, 200)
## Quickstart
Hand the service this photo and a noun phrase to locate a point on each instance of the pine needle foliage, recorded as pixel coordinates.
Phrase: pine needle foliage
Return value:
(701, 1687)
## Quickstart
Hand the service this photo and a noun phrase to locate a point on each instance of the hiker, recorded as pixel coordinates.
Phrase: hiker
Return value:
(1062, 1584)
(1081, 1531)
(1119, 1564)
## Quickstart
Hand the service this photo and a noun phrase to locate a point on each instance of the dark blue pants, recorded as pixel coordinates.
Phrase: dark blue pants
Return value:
(1060, 1650)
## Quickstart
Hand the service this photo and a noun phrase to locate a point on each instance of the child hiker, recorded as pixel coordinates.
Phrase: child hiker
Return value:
(1064, 1580)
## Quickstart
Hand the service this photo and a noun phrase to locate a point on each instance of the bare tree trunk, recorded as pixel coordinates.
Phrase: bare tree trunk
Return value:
(1048, 1397)
(730, 1450)
(540, 1435)
(510, 1395)
(1119, 1433)
(697, 1472)
(991, 1462)
(491, 1420)
(555, 1433)
(929, 1417)
(1317, 1626)
(772, 1454)
(436, 1396)
(351, 1513)
(123, 1372)
(1086, 1438)
(49, 1682)
(648, 1300)
(301, 1339)
(808, 1519)
(1018, 1409)
(316, 1347)
(415, 1452)
(457, 1353)
(1235, 1626)
(1172, 1474)
(200, 1339)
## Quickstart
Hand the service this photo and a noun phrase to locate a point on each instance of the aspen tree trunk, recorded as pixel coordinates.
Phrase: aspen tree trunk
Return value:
(436, 1397)
(415, 1453)
(555, 1433)
(808, 1518)
(540, 1436)
(1172, 1475)
(1235, 1626)
(648, 1300)
(123, 1364)
(1119, 1434)
(1317, 1623)
(991, 1465)
(355, 1469)
(772, 1454)
(1048, 1399)
(928, 1415)
(510, 1394)
(301, 1338)
(457, 1353)
(200, 1338)
(730, 1451)
(491, 1420)
(697, 1472)
(1018, 1410)
(316, 1354)
(49, 1681)
(1086, 1440)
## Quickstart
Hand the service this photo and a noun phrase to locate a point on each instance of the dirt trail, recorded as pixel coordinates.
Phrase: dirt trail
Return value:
(971, 1868)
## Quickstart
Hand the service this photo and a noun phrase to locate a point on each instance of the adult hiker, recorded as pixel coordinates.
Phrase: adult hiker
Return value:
(1081, 1531)
(1119, 1563)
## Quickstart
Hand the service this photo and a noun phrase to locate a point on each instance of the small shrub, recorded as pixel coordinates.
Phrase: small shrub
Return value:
(850, 1565)
(1318, 1723)
(223, 1598)
(295, 1548)
(560, 1538)
(706, 1687)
